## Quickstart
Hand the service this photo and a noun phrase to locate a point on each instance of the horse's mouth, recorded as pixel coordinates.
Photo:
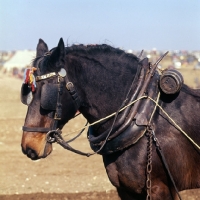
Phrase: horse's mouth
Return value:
(35, 145)
(34, 155)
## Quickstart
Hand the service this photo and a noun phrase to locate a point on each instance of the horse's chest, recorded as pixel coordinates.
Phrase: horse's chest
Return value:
(126, 174)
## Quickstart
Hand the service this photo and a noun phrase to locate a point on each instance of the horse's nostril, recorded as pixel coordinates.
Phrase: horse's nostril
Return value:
(32, 154)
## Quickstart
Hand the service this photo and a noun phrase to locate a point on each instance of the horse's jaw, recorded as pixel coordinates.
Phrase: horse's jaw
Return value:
(35, 146)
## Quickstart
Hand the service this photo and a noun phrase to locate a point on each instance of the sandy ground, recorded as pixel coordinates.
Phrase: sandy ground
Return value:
(62, 175)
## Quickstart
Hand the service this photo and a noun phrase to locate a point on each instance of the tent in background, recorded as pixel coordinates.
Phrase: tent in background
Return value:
(19, 61)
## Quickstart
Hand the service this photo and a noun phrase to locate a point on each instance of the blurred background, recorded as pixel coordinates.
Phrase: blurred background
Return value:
(154, 26)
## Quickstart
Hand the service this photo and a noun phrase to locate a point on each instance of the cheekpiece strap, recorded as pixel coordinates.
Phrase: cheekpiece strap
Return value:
(71, 89)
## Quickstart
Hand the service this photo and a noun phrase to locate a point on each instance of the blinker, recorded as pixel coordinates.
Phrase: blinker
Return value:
(49, 91)
(26, 94)
(49, 96)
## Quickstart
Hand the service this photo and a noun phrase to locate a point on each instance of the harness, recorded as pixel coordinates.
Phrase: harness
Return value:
(134, 119)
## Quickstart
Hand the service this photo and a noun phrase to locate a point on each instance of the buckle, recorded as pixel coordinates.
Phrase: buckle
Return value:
(69, 86)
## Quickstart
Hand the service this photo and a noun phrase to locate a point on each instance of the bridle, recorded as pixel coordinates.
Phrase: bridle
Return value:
(53, 134)
(61, 79)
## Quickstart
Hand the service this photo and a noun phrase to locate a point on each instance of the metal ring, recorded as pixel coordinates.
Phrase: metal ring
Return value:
(69, 85)
(49, 137)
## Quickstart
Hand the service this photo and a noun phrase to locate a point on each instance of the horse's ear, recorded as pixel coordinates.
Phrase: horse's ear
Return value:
(61, 47)
(57, 57)
(42, 48)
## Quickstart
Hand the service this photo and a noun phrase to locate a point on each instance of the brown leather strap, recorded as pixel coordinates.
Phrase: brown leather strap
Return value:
(36, 129)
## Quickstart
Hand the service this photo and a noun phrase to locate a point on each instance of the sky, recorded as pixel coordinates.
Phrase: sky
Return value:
(127, 24)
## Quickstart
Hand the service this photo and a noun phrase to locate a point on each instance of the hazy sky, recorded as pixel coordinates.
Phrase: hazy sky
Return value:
(130, 24)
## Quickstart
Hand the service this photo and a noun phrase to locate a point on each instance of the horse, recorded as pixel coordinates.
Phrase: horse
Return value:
(149, 141)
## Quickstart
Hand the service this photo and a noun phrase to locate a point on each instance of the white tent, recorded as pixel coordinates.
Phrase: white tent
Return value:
(20, 60)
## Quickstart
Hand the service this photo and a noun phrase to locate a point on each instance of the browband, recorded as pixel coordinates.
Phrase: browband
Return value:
(45, 76)
(61, 73)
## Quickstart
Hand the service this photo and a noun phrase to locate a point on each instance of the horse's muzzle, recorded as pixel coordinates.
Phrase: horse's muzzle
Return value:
(35, 145)
(30, 153)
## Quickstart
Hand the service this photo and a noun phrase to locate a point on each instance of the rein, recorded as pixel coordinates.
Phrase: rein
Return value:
(143, 97)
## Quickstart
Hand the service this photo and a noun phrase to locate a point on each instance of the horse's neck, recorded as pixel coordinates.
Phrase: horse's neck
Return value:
(102, 88)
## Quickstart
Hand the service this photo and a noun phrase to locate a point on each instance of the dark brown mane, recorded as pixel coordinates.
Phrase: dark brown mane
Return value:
(92, 50)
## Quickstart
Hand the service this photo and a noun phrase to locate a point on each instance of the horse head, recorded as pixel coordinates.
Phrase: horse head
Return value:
(44, 92)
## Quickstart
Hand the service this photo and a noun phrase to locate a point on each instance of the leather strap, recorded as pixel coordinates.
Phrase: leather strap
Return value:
(36, 129)
(159, 150)
(71, 89)
(45, 76)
